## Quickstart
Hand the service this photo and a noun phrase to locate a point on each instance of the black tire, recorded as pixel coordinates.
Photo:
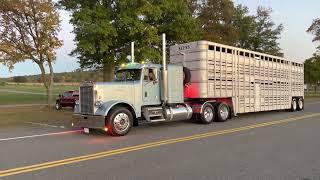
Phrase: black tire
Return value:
(207, 114)
(293, 105)
(186, 75)
(222, 112)
(300, 104)
(58, 106)
(114, 115)
(135, 123)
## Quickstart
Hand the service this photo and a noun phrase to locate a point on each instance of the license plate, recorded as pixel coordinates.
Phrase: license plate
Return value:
(86, 130)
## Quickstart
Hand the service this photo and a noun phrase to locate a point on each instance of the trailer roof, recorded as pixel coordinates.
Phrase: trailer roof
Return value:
(179, 48)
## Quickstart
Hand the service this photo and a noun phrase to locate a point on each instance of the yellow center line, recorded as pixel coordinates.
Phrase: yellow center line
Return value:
(77, 159)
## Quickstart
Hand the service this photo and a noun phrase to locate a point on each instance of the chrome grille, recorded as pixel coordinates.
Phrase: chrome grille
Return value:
(86, 99)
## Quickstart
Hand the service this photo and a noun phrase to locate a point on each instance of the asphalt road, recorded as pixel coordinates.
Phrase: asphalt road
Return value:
(267, 145)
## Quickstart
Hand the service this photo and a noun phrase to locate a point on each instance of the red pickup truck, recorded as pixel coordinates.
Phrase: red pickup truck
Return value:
(67, 99)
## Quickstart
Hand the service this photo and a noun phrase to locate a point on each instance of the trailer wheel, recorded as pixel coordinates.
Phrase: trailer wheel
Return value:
(293, 105)
(222, 112)
(119, 121)
(207, 114)
(186, 75)
(300, 104)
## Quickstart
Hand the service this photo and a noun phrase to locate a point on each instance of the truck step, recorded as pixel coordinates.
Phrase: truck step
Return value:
(154, 108)
(153, 114)
(157, 120)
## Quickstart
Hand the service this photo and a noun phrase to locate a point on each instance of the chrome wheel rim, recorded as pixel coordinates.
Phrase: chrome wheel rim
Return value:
(121, 122)
(300, 104)
(294, 105)
(224, 112)
(208, 114)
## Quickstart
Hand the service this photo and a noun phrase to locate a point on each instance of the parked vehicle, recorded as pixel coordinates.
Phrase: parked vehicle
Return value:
(204, 80)
(67, 99)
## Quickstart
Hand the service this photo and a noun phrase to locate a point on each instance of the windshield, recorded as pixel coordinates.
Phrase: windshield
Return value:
(128, 75)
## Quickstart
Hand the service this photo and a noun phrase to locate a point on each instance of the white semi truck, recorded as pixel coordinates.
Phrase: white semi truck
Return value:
(204, 80)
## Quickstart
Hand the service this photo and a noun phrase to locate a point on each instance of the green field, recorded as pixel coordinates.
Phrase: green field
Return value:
(19, 115)
(7, 98)
(38, 88)
(28, 94)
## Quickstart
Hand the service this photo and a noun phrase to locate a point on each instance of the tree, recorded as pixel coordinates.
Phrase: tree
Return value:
(28, 31)
(266, 34)
(215, 18)
(20, 79)
(105, 28)
(245, 27)
(315, 30)
(312, 71)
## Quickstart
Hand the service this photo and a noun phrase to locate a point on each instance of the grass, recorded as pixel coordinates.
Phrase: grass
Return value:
(22, 96)
(17, 98)
(312, 98)
(58, 89)
(19, 115)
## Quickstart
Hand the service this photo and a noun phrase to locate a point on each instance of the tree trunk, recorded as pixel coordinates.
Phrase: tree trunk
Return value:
(108, 71)
(47, 82)
(50, 84)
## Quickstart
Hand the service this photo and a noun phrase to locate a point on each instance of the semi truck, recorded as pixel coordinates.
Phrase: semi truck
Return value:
(204, 80)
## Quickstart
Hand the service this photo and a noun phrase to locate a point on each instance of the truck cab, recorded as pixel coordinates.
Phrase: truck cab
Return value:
(136, 93)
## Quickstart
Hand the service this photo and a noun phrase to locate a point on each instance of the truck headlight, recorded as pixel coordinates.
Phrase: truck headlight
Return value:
(98, 103)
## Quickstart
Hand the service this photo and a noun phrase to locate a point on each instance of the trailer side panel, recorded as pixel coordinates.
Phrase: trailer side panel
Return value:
(255, 81)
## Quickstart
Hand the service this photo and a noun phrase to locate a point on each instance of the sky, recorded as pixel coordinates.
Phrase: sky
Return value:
(295, 15)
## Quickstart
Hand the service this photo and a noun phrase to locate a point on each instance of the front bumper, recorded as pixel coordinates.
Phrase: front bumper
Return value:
(88, 121)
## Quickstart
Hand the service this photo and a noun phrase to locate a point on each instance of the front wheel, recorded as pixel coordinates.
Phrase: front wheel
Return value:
(119, 121)
(58, 106)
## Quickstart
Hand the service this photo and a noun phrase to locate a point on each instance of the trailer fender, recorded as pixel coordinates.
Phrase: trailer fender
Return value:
(105, 108)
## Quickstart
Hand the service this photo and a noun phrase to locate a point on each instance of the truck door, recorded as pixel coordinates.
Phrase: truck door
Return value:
(151, 87)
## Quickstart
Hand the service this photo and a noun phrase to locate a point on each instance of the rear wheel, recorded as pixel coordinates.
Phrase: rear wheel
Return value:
(222, 112)
(119, 121)
(293, 105)
(300, 104)
(207, 115)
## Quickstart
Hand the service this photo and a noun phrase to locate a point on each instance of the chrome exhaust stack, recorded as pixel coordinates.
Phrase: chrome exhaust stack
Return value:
(164, 70)
(132, 52)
